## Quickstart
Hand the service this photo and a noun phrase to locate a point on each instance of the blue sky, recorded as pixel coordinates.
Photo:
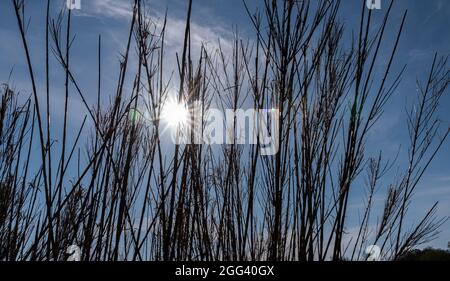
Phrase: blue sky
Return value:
(426, 32)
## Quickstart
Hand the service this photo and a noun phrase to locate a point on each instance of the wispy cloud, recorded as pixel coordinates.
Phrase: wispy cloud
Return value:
(202, 33)
(435, 191)
(117, 9)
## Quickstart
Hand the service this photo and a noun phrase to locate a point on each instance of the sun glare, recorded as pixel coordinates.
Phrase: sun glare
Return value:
(175, 113)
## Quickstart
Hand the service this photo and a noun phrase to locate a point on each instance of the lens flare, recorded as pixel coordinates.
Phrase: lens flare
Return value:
(175, 114)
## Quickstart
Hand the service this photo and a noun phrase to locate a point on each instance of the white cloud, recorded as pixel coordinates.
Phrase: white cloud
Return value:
(118, 9)
(201, 33)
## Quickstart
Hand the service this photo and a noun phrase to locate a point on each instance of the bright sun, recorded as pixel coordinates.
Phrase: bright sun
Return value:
(175, 113)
